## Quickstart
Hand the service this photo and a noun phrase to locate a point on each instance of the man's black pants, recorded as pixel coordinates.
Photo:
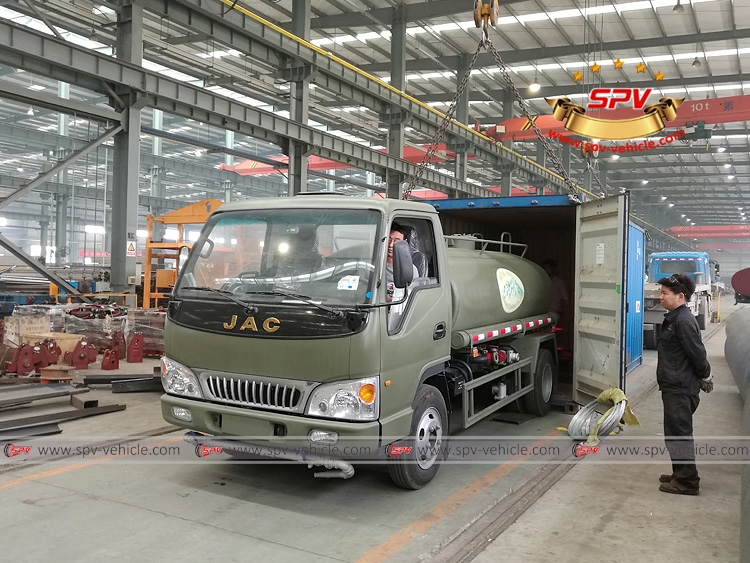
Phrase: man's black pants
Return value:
(678, 435)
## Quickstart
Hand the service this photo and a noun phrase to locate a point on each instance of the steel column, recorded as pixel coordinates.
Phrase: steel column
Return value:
(299, 99)
(126, 159)
(396, 116)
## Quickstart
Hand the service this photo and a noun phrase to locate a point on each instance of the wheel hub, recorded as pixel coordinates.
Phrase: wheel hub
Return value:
(428, 438)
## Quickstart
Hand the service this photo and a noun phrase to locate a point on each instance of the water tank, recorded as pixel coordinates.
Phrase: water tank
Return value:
(741, 282)
(491, 287)
(737, 349)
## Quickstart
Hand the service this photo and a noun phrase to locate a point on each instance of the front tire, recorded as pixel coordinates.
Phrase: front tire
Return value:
(537, 401)
(429, 426)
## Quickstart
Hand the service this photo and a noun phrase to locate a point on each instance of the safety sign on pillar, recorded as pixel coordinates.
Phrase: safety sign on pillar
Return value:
(131, 249)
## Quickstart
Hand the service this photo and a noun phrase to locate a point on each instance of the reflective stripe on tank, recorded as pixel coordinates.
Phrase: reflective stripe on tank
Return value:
(496, 333)
(509, 329)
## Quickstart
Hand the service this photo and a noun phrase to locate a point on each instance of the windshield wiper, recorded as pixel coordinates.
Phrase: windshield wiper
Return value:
(247, 309)
(332, 313)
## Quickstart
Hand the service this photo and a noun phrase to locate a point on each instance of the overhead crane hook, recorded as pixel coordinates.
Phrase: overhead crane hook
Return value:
(485, 15)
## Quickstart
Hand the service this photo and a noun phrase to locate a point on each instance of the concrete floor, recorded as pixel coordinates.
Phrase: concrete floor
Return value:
(203, 510)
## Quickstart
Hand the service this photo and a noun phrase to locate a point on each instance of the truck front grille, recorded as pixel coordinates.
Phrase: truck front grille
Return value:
(252, 393)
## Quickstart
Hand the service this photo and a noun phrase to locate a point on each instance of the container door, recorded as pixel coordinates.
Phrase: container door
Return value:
(599, 328)
(635, 288)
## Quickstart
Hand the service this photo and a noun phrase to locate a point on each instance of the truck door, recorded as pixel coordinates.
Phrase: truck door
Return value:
(601, 287)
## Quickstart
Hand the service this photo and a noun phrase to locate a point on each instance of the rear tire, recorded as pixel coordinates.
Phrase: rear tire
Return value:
(429, 425)
(650, 339)
(537, 401)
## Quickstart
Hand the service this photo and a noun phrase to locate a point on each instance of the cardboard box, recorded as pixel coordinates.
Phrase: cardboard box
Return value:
(16, 327)
(66, 342)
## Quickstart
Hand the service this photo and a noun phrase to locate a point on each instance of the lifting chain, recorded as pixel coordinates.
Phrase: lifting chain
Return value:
(447, 118)
(486, 43)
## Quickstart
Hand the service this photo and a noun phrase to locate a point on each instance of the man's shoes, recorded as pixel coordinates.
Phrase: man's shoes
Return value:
(676, 488)
(664, 478)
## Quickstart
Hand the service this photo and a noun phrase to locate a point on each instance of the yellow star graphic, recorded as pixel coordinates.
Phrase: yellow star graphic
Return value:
(578, 76)
(659, 76)
(618, 64)
(640, 67)
(595, 68)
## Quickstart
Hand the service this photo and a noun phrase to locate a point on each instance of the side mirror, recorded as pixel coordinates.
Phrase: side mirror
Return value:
(403, 268)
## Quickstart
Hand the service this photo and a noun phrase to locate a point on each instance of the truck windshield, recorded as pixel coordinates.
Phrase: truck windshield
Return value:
(262, 256)
(677, 266)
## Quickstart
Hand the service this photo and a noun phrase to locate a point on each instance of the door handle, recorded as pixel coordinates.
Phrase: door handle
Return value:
(440, 331)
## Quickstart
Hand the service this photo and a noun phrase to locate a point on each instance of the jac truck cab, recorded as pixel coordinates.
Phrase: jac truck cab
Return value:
(282, 333)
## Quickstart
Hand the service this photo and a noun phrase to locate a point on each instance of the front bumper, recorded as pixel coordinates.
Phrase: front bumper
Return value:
(264, 426)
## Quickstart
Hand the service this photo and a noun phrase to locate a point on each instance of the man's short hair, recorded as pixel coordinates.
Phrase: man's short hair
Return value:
(401, 229)
(679, 283)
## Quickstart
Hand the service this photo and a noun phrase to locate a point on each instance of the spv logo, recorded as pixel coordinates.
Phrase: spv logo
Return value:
(608, 98)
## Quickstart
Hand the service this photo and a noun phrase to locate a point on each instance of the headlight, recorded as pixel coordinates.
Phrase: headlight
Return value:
(347, 400)
(179, 380)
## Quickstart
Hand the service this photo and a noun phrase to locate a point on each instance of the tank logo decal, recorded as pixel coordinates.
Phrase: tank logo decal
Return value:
(511, 289)
(271, 324)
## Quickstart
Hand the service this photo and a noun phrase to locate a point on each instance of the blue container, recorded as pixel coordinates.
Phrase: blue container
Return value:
(636, 272)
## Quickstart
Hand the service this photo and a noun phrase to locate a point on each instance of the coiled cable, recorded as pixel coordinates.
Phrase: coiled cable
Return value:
(585, 420)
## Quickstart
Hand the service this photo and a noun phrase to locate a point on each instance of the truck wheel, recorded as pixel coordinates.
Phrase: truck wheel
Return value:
(704, 316)
(537, 401)
(429, 425)
(650, 340)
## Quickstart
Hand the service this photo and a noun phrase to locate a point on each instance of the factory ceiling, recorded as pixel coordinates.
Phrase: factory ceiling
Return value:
(694, 50)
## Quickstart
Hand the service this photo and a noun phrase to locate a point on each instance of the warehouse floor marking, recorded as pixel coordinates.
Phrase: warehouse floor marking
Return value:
(401, 539)
(63, 469)
(50, 473)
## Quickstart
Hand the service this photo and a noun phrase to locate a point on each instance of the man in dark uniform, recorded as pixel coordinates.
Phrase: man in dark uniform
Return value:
(682, 373)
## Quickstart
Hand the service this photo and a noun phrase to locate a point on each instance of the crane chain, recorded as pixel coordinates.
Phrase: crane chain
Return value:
(447, 118)
(485, 42)
(551, 156)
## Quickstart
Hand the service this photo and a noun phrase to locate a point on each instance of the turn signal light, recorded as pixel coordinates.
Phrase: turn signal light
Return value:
(367, 393)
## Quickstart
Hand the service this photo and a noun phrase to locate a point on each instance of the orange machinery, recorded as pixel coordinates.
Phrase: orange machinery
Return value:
(161, 286)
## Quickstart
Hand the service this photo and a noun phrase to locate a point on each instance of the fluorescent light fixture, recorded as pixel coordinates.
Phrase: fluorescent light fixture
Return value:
(644, 182)
(727, 165)
(4, 221)
(730, 177)
(171, 234)
(679, 8)
(721, 148)
(615, 156)
(141, 233)
(193, 236)
(30, 111)
(696, 62)
(663, 198)
(94, 229)
(671, 205)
